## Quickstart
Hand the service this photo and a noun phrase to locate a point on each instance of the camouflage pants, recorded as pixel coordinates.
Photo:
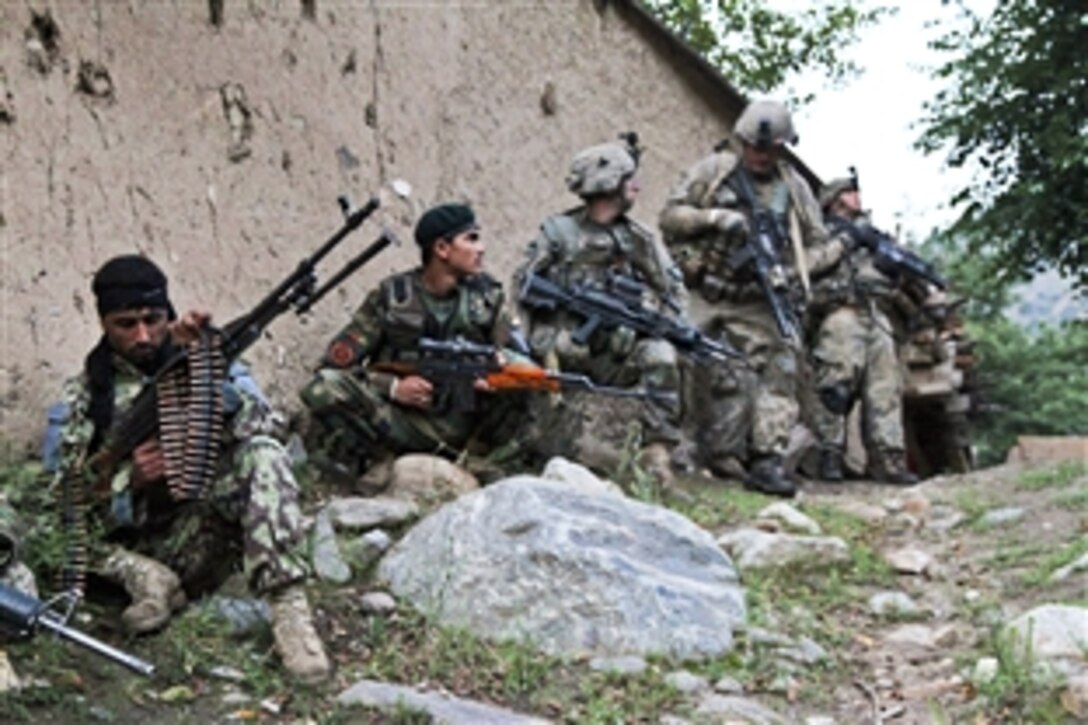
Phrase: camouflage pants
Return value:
(349, 409)
(766, 391)
(624, 363)
(855, 349)
(251, 513)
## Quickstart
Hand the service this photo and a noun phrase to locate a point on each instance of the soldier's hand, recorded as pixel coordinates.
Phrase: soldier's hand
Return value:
(148, 464)
(414, 392)
(185, 330)
(731, 223)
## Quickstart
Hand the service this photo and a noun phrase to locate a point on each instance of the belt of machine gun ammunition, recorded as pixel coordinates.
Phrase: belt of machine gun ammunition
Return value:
(191, 419)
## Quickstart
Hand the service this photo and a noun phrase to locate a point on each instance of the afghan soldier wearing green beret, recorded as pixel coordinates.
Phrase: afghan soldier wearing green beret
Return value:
(706, 221)
(135, 531)
(854, 356)
(588, 245)
(367, 415)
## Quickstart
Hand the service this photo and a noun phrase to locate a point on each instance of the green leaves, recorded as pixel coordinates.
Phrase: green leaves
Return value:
(1016, 113)
(757, 48)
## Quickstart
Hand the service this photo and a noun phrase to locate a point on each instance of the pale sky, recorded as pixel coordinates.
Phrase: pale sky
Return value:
(871, 122)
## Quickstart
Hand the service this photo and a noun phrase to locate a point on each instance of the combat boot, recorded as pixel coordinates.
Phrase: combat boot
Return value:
(656, 461)
(830, 465)
(766, 475)
(155, 590)
(297, 642)
(890, 466)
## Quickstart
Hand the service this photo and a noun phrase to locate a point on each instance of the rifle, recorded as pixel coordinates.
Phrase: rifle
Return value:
(141, 420)
(454, 366)
(24, 615)
(760, 256)
(891, 258)
(619, 304)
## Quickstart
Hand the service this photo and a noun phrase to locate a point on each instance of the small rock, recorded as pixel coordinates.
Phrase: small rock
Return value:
(329, 564)
(921, 636)
(243, 616)
(624, 665)
(686, 682)
(909, 560)
(867, 512)
(985, 670)
(439, 706)
(791, 517)
(271, 705)
(429, 480)
(724, 708)
(728, 686)
(806, 652)
(998, 517)
(819, 720)
(223, 672)
(177, 693)
(755, 549)
(359, 514)
(1074, 697)
(578, 476)
(377, 603)
(368, 548)
(97, 712)
(972, 595)
(765, 637)
(1073, 567)
(235, 699)
(944, 518)
(885, 604)
(672, 720)
(1056, 631)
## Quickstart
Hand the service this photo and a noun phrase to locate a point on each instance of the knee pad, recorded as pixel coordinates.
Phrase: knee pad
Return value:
(837, 398)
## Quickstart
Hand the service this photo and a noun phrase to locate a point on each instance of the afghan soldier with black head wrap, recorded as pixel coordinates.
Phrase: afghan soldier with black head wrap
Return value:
(135, 529)
(707, 221)
(364, 415)
(595, 244)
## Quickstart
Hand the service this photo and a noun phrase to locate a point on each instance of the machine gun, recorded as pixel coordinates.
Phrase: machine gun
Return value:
(891, 258)
(618, 303)
(454, 368)
(24, 616)
(760, 258)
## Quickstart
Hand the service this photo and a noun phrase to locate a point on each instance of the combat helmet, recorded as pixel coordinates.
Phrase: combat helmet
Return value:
(831, 190)
(765, 123)
(600, 169)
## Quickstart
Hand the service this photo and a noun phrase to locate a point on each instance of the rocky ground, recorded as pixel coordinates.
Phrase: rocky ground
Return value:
(865, 603)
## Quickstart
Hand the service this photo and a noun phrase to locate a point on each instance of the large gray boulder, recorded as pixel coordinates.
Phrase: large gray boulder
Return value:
(570, 571)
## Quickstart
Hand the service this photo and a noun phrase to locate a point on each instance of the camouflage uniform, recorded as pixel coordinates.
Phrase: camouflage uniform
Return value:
(13, 572)
(250, 510)
(854, 357)
(353, 405)
(572, 249)
(737, 306)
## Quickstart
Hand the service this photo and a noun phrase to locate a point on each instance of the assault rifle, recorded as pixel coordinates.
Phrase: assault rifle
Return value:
(23, 616)
(454, 366)
(618, 303)
(298, 290)
(889, 257)
(761, 258)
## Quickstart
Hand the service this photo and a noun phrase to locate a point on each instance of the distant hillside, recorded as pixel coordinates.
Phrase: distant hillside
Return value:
(1048, 299)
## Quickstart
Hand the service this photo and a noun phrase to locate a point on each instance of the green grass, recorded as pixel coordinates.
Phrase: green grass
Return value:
(1060, 476)
(1054, 560)
(1021, 691)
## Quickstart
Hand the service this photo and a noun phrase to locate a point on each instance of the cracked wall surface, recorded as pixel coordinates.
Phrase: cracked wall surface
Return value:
(215, 135)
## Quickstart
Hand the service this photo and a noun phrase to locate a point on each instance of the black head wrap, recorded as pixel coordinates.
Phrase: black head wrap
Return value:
(127, 282)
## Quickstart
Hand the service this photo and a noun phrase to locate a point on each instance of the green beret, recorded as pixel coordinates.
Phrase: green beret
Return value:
(833, 188)
(444, 221)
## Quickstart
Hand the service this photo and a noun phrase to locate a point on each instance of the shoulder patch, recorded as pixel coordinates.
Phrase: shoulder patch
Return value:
(343, 352)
